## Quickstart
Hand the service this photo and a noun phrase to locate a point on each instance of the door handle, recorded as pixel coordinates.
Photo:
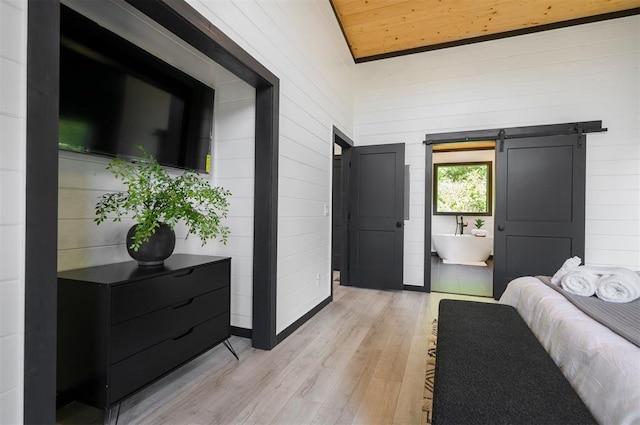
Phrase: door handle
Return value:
(398, 224)
(501, 228)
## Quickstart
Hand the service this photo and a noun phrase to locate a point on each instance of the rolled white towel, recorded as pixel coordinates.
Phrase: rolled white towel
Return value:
(580, 281)
(568, 266)
(620, 285)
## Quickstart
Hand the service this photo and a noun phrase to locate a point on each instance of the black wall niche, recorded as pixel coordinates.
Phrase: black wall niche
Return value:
(43, 38)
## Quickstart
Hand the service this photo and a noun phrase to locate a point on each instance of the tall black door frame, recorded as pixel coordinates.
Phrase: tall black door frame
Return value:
(346, 144)
(41, 233)
(43, 32)
(428, 212)
(499, 135)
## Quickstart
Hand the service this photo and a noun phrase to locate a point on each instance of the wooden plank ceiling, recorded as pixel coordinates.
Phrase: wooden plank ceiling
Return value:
(381, 28)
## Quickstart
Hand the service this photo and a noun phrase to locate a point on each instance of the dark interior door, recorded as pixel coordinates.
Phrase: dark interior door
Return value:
(336, 229)
(376, 211)
(539, 217)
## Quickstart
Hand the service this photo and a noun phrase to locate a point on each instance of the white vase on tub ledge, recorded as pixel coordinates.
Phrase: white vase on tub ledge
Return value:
(481, 233)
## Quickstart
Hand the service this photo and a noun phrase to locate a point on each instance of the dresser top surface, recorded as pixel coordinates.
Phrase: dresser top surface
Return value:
(130, 271)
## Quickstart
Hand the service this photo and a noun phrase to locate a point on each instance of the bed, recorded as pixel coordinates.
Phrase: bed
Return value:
(602, 366)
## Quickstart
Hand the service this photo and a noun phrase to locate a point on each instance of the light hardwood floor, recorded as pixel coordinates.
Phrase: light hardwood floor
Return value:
(361, 360)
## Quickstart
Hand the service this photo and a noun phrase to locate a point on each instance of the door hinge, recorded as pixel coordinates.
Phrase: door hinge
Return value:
(348, 216)
(349, 164)
(501, 138)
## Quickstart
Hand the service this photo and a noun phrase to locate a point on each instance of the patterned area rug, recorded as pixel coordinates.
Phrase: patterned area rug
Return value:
(427, 398)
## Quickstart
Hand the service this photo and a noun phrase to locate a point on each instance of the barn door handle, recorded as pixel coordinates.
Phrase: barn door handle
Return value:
(501, 228)
(398, 224)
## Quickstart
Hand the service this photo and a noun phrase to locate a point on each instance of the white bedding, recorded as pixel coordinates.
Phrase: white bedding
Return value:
(602, 367)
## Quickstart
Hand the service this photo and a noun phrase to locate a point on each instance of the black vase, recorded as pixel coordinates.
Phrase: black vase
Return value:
(154, 251)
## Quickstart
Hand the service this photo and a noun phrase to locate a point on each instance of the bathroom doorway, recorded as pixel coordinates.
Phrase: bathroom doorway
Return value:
(539, 196)
(462, 210)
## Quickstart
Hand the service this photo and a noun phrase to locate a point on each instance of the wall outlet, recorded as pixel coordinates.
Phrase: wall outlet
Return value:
(326, 210)
(317, 279)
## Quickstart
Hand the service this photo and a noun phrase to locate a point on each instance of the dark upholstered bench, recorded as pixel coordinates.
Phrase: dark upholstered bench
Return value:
(491, 369)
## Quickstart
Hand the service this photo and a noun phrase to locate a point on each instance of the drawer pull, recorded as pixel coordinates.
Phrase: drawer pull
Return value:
(183, 335)
(183, 304)
(185, 274)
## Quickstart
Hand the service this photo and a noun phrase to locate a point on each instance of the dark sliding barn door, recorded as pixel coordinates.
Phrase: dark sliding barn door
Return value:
(376, 211)
(539, 216)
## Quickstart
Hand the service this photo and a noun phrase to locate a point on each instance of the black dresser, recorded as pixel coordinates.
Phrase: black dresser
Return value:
(121, 327)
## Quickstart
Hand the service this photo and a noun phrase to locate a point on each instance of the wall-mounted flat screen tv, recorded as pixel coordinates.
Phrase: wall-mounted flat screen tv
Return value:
(115, 96)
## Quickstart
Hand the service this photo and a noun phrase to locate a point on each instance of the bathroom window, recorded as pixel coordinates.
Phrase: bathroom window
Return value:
(462, 188)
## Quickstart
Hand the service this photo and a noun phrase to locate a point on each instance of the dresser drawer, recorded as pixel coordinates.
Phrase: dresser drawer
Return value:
(137, 298)
(136, 371)
(137, 334)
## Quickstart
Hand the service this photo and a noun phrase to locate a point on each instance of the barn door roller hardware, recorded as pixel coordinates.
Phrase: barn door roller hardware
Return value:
(501, 139)
(580, 132)
(501, 134)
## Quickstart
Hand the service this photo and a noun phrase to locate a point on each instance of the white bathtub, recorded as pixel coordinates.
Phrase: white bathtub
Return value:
(463, 249)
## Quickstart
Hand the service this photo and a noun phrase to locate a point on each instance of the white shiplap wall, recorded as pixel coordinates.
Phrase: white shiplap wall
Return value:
(13, 48)
(233, 157)
(581, 73)
(301, 43)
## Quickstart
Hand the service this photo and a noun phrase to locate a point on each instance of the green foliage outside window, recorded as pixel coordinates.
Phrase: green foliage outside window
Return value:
(462, 188)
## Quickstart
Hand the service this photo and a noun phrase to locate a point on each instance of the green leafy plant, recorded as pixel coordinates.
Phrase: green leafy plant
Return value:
(479, 223)
(153, 196)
